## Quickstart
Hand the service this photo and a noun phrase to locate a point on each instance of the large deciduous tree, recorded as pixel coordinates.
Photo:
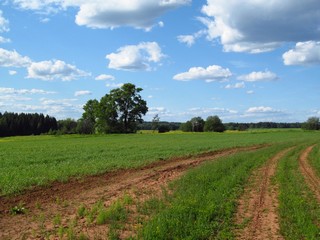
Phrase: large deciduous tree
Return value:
(119, 111)
(214, 124)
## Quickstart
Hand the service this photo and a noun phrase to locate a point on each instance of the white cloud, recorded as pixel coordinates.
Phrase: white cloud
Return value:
(304, 53)
(82, 93)
(114, 85)
(13, 59)
(135, 57)
(259, 76)
(4, 40)
(12, 72)
(55, 69)
(187, 39)
(24, 91)
(4, 23)
(111, 14)
(235, 86)
(262, 109)
(258, 26)
(103, 77)
(141, 14)
(250, 92)
(209, 74)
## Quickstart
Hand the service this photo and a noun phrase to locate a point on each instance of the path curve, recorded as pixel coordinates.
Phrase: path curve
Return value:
(258, 205)
(64, 198)
(310, 176)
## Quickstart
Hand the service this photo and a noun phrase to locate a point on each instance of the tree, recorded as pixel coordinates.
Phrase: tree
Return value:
(155, 122)
(197, 124)
(121, 110)
(214, 124)
(87, 124)
(312, 123)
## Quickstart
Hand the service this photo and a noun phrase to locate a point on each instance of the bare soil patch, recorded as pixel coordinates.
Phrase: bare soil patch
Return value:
(257, 216)
(59, 202)
(310, 176)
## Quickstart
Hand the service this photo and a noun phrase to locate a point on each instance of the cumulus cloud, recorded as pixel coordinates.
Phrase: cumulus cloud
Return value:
(82, 93)
(140, 14)
(262, 109)
(103, 77)
(209, 74)
(259, 76)
(13, 59)
(304, 53)
(55, 69)
(259, 26)
(235, 86)
(135, 57)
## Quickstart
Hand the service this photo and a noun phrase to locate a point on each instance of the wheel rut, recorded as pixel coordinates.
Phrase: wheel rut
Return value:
(310, 176)
(257, 216)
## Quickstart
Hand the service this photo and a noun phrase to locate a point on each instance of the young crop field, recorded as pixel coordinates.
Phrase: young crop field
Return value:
(234, 185)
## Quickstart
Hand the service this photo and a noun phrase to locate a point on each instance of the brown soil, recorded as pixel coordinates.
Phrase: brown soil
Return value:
(59, 202)
(311, 178)
(257, 211)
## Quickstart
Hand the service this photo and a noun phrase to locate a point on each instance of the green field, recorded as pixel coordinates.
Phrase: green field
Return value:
(39, 160)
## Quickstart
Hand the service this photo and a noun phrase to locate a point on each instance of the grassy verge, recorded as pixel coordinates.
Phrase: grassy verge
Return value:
(204, 200)
(299, 211)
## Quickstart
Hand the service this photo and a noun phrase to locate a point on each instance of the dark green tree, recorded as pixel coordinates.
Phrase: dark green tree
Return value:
(197, 124)
(312, 123)
(121, 110)
(214, 124)
(88, 122)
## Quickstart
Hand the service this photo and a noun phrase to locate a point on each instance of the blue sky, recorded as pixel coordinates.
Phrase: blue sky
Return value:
(245, 61)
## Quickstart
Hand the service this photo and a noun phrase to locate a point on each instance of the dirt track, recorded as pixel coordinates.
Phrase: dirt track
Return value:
(312, 180)
(257, 210)
(63, 199)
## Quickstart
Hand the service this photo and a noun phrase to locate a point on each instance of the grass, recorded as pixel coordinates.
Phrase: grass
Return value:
(38, 160)
(204, 200)
(299, 211)
(314, 159)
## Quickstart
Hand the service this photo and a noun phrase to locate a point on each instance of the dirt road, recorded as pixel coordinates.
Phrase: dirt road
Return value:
(257, 211)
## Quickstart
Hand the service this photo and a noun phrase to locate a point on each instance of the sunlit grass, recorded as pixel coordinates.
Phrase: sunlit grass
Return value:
(39, 160)
(205, 199)
(299, 211)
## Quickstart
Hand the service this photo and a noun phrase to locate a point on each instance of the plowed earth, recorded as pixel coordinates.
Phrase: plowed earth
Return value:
(257, 211)
(61, 200)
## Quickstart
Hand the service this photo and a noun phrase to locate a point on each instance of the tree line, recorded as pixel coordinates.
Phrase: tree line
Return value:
(121, 111)
(14, 124)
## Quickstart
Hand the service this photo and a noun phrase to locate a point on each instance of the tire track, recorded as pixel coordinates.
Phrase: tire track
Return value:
(257, 209)
(310, 176)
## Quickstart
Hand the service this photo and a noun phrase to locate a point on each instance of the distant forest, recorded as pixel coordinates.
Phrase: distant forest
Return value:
(14, 124)
(22, 124)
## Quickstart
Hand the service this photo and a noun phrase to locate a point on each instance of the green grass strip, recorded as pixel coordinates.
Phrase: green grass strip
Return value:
(299, 210)
(205, 199)
(315, 159)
